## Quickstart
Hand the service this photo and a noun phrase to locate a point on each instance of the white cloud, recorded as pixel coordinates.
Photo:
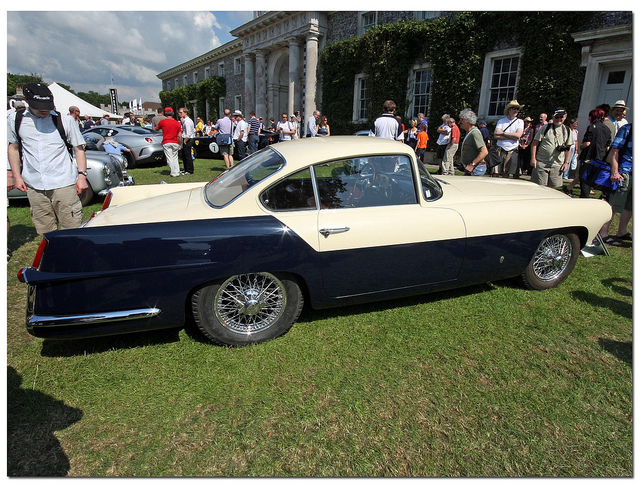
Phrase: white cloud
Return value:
(84, 49)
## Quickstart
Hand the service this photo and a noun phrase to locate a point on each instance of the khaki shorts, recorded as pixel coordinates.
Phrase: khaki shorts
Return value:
(622, 199)
(545, 174)
(48, 208)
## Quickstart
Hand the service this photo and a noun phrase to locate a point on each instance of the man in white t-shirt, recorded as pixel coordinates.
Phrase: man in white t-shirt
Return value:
(284, 128)
(240, 134)
(507, 134)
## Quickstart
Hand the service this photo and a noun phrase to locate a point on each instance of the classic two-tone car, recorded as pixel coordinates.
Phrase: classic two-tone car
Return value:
(328, 221)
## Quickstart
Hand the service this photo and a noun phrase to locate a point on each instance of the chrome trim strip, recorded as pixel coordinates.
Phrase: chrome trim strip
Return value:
(71, 320)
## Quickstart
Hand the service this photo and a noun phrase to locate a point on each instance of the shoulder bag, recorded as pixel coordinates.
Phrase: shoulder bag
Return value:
(493, 159)
(597, 173)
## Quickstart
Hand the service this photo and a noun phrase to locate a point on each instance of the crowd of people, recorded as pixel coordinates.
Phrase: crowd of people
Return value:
(548, 153)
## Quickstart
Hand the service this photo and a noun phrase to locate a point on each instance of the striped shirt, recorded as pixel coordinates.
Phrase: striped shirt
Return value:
(254, 125)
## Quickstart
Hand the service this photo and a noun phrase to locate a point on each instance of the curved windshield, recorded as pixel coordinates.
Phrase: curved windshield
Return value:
(430, 187)
(250, 171)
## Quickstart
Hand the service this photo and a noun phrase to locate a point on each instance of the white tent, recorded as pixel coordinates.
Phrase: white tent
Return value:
(63, 99)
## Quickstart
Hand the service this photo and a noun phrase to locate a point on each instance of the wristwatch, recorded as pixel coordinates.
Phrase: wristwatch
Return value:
(82, 172)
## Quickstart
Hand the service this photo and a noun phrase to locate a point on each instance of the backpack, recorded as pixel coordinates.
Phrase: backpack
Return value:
(57, 120)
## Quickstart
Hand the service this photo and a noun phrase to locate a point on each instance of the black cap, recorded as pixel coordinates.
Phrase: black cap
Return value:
(39, 97)
(560, 111)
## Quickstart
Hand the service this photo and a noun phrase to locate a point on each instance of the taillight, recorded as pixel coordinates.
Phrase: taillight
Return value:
(107, 201)
(36, 261)
(149, 140)
(40, 253)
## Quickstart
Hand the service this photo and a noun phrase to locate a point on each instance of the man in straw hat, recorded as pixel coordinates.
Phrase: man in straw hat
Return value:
(615, 120)
(507, 134)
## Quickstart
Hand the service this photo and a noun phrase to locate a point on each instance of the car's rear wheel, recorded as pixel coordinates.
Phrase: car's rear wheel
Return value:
(247, 308)
(552, 261)
(86, 196)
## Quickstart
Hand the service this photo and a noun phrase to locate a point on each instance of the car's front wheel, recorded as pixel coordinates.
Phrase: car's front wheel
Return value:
(552, 261)
(247, 308)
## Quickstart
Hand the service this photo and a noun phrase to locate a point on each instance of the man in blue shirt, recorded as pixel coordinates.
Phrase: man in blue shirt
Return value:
(621, 158)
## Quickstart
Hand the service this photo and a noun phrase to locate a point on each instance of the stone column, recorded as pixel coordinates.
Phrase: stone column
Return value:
(261, 87)
(294, 74)
(310, 77)
(249, 84)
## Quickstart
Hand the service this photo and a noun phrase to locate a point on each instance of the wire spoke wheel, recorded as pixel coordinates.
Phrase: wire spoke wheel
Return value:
(552, 261)
(250, 303)
(552, 257)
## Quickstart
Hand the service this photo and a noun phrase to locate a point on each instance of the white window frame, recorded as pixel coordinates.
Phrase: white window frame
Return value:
(412, 111)
(237, 103)
(221, 106)
(221, 69)
(184, 81)
(485, 88)
(361, 18)
(195, 77)
(206, 72)
(237, 66)
(356, 98)
(177, 83)
(168, 84)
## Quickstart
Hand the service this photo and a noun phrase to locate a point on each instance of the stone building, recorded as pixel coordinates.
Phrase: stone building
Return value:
(272, 66)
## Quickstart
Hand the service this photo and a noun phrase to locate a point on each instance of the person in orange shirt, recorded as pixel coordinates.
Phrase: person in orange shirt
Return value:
(449, 154)
(422, 137)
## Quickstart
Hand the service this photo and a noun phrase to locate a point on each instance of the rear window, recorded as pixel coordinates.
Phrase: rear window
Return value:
(230, 184)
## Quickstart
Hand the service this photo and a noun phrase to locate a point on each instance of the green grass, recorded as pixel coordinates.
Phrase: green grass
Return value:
(490, 380)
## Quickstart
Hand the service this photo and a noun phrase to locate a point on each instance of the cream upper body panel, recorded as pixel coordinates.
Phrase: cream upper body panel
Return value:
(469, 206)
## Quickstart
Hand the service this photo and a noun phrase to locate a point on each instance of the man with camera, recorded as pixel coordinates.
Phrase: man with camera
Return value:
(551, 151)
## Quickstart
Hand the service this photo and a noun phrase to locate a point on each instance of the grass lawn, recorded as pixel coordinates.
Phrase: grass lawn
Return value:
(490, 380)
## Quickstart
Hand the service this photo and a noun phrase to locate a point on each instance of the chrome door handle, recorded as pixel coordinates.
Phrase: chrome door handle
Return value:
(325, 232)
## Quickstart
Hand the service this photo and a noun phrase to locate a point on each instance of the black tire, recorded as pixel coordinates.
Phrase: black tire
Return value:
(87, 196)
(247, 308)
(552, 261)
(131, 161)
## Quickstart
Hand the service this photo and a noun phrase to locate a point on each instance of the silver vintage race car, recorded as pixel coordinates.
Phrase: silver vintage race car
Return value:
(104, 171)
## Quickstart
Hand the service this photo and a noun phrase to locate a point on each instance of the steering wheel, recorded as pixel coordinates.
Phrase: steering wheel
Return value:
(367, 175)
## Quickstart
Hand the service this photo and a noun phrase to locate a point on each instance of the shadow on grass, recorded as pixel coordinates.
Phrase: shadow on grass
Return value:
(619, 285)
(617, 306)
(621, 350)
(19, 235)
(82, 347)
(32, 419)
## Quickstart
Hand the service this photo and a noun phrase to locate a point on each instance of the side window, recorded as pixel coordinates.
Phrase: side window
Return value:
(365, 182)
(295, 193)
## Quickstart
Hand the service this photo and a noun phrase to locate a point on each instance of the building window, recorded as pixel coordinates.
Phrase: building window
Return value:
(206, 73)
(368, 20)
(184, 80)
(195, 77)
(427, 15)
(237, 103)
(220, 69)
(176, 84)
(221, 106)
(168, 84)
(420, 90)
(237, 66)
(361, 98)
(499, 82)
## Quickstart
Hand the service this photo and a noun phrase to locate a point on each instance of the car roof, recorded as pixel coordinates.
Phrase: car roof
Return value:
(307, 151)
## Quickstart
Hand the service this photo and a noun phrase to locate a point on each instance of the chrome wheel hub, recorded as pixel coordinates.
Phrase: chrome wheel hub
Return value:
(552, 257)
(250, 303)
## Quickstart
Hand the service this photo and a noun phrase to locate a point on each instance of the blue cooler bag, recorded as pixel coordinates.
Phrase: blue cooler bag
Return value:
(597, 174)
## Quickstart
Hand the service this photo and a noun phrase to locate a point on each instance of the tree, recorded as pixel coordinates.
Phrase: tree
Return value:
(17, 80)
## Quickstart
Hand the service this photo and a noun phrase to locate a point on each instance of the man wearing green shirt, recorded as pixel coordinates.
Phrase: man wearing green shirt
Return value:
(551, 151)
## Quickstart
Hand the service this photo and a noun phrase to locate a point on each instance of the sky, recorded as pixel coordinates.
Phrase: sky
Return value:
(84, 50)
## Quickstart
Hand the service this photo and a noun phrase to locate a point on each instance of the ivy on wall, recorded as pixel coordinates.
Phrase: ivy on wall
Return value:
(209, 90)
(455, 47)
